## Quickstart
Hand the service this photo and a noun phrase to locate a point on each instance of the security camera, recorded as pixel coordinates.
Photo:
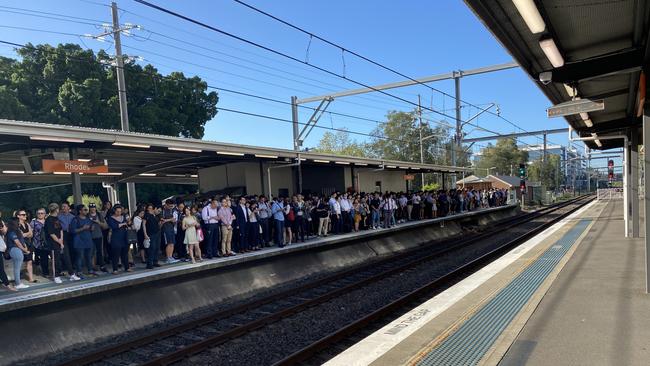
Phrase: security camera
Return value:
(546, 77)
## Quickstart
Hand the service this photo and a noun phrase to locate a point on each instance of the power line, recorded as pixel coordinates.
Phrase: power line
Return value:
(97, 24)
(100, 23)
(344, 49)
(232, 110)
(279, 53)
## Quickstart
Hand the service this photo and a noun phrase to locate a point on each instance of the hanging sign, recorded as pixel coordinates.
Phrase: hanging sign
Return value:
(75, 166)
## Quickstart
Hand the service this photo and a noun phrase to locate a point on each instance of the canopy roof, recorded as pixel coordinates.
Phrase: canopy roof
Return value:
(604, 45)
(139, 157)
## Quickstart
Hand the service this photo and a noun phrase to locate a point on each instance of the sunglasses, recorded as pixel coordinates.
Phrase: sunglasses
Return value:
(40, 213)
(21, 214)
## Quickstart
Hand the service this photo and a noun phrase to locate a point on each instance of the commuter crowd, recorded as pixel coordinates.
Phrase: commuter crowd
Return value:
(79, 242)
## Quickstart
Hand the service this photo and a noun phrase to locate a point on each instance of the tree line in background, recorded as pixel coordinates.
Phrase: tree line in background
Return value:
(73, 86)
(398, 139)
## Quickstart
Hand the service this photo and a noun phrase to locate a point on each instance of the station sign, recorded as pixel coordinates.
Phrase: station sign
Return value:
(409, 177)
(575, 107)
(75, 166)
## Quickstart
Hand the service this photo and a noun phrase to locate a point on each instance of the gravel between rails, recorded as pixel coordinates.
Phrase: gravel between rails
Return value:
(272, 343)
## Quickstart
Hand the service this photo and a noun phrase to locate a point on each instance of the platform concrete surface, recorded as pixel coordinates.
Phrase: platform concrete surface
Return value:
(596, 312)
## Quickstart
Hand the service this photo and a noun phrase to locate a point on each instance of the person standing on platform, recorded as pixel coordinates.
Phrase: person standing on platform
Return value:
(28, 235)
(189, 225)
(226, 218)
(335, 214)
(210, 216)
(81, 228)
(323, 213)
(138, 226)
(119, 241)
(241, 217)
(264, 217)
(55, 241)
(65, 217)
(40, 248)
(98, 227)
(169, 219)
(152, 235)
(278, 218)
(298, 206)
(253, 226)
(3, 275)
(180, 248)
(17, 249)
(375, 204)
(346, 213)
(416, 207)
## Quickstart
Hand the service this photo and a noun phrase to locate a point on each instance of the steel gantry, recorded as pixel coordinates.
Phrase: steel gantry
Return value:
(300, 135)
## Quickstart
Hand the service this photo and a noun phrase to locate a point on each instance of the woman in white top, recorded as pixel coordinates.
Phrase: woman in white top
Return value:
(190, 224)
(137, 226)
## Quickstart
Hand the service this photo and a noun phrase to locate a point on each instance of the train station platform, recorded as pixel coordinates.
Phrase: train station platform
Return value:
(572, 295)
(171, 292)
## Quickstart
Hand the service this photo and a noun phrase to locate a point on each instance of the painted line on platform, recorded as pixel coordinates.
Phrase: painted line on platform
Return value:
(383, 340)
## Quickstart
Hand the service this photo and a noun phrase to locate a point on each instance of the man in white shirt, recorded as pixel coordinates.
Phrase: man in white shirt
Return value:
(335, 209)
(346, 214)
(210, 216)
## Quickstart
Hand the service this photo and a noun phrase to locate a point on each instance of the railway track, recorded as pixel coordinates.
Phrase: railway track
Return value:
(220, 329)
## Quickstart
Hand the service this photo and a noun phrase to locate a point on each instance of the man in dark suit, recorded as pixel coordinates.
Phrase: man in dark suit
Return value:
(242, 219)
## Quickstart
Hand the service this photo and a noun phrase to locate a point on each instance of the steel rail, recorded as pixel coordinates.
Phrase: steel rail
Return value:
(448, 279)
(112, 351)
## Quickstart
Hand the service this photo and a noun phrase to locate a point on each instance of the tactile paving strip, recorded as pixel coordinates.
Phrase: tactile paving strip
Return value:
(471, 341)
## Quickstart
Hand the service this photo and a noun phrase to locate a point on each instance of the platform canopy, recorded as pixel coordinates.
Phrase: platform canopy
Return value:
(139, 157)
(600, 50)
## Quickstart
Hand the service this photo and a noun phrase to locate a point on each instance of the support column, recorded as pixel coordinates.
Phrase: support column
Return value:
(626, 189)
(459, 127)
(76, 181)
(544, 155)
(646, 196)
(634, 182)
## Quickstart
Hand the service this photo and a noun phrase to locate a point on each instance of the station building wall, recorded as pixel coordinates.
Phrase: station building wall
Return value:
(320, 179)
(390, 180)
(252, 175)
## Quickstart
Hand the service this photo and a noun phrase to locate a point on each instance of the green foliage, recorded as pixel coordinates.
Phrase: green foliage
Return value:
(69, 85)
(505, 156)
(547, 173)
(88, 199)
(431, 187)
(340, 143)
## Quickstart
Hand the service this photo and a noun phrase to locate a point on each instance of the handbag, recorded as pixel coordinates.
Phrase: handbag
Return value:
(131, 236)
(3, 245)
(199, 234)
(146, 243)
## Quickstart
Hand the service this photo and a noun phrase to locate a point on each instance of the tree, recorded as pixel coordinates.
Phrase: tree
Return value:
(547, 173)
(340, 143)
(501, 158)
(69, 85)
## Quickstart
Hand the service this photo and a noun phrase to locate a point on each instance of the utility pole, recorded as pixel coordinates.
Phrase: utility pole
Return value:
(421, 142)
(544, 155)
(296, 140)
(458, 136)
(121, 89)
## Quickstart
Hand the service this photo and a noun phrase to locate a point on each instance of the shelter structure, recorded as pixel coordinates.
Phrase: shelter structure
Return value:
(598, 51)
(148, 158)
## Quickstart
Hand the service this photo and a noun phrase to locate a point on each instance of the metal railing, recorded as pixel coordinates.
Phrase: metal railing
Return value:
(609, 194)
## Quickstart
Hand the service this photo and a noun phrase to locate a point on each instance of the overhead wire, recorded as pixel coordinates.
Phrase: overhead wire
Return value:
(230, 109)
(344, 49)
(280, 53)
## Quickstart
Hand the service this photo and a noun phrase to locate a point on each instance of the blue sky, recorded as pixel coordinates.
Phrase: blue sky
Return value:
(418, 38)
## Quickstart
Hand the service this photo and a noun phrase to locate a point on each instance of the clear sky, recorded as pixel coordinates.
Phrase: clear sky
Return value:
(416, 37)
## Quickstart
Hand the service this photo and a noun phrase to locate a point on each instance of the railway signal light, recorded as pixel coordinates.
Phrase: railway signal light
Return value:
(522, 171)
(610, 171)
(522, 185)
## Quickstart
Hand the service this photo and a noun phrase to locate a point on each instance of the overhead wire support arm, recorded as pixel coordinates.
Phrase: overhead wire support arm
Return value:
(313, 120)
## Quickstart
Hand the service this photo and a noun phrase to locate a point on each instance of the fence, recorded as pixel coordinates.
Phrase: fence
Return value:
(610, 194)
